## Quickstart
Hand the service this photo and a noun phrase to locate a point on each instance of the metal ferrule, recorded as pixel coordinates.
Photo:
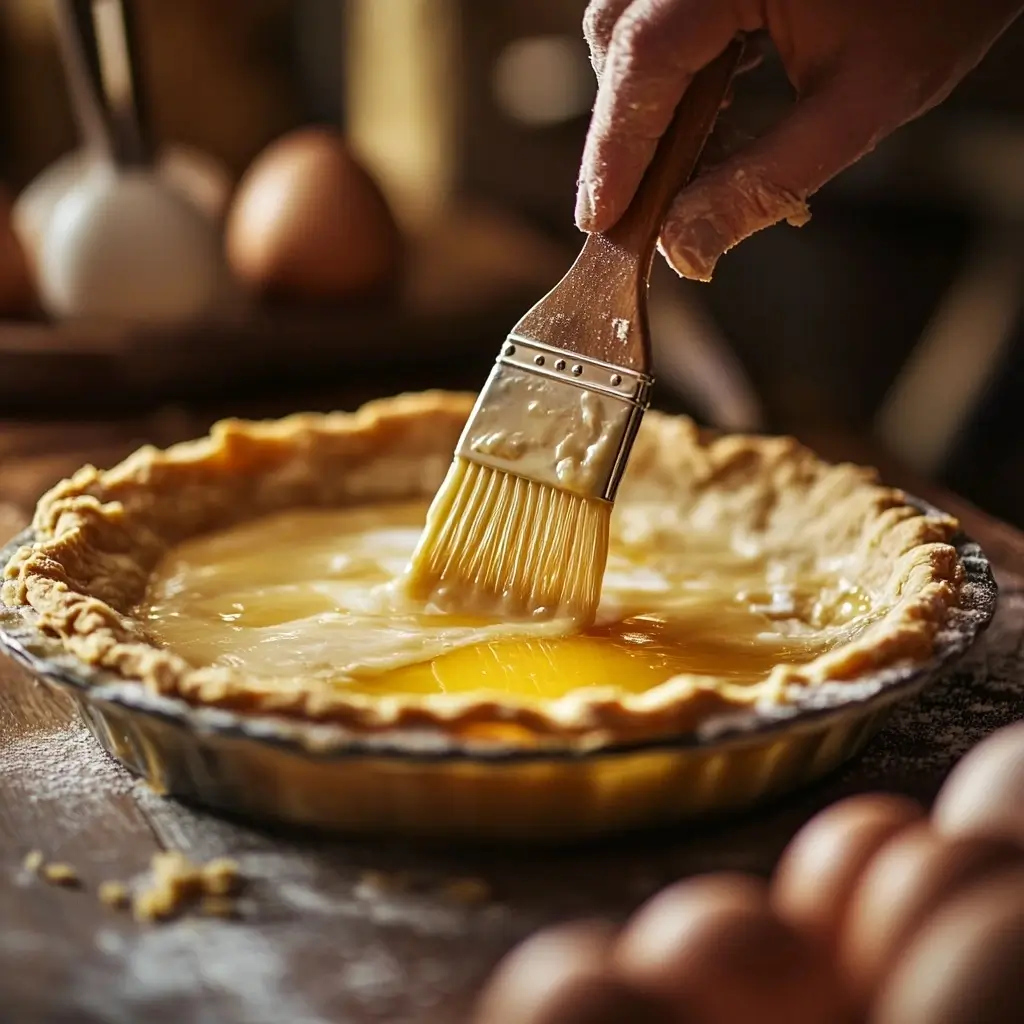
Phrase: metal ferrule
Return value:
(557, 417)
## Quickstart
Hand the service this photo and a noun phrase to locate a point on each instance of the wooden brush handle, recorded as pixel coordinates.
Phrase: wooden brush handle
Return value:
(676, 157)
(599, 308)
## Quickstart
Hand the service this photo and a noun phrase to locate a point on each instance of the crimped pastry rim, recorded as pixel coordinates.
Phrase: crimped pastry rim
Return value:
(44, 656)
(103, 524)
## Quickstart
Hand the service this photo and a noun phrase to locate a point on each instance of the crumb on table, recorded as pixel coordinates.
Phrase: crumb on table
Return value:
(60, 874)
(221, 877)
(55, 872)
(114, 894)
(33, 861)
(174, 885)
(177, 884)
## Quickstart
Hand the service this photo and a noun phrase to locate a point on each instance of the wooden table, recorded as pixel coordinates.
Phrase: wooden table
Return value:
(317, 941)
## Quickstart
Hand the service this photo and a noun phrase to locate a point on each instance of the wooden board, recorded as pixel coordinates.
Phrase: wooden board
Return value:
(317, 942)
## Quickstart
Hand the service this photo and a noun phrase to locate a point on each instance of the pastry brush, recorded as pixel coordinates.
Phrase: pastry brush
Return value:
(519, 527)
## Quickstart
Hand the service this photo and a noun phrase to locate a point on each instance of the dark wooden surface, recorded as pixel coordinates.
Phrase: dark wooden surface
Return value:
(316, 941)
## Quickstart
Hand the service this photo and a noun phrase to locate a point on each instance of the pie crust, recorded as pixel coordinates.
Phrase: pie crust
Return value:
(99, 535)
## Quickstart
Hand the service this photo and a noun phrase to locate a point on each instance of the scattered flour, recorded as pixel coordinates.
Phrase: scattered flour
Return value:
(245, 974)
(67, 765)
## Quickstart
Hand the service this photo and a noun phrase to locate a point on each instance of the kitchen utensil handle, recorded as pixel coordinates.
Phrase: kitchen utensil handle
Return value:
(101, 58)
(676, 157)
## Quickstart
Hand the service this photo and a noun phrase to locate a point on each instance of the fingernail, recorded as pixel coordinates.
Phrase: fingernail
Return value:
(693, 248)
(584, 204)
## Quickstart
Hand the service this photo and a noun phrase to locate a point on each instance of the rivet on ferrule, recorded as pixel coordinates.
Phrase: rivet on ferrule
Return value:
(557, 417)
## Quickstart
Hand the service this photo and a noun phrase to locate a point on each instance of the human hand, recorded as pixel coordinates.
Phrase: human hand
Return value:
(860, 69)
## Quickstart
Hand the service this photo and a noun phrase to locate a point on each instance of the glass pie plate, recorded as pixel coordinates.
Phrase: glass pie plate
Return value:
(422, 783)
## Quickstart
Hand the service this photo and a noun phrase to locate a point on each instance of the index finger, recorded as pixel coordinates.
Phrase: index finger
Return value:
(656, 47)
(598, 24)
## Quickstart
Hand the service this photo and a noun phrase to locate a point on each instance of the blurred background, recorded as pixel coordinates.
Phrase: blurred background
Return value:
(894, 317)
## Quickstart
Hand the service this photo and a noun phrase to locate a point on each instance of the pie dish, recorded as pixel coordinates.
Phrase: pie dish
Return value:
(762, 612)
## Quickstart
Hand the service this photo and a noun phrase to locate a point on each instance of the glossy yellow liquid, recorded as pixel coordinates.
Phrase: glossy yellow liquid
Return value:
(305, 594)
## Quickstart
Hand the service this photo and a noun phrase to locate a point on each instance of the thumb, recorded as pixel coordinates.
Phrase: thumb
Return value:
(770, 179)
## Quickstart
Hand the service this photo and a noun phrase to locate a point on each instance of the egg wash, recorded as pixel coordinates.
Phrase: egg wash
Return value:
(309, 594)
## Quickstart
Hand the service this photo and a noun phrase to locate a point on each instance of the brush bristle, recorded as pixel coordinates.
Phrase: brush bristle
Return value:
(499, 543)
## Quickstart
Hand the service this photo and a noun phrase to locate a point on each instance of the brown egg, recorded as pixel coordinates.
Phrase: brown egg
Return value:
(307, 222)
(911, 876)
(16, 292)
(714, 946)
(821, 866)
(984, 794)
(561, 976)
(964, 967)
